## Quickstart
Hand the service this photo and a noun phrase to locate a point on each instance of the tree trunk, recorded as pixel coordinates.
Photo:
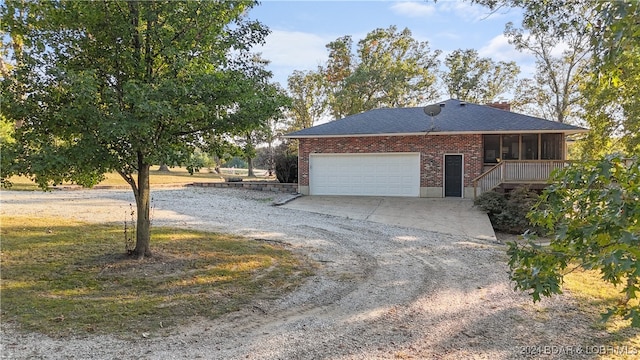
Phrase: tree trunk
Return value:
(143, 225)
(164, 168)
(250, 166)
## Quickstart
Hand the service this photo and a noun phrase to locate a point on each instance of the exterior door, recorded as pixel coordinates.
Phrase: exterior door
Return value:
(453, 175)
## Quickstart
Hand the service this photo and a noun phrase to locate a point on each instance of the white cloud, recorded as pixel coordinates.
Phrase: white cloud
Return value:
(294, 49)
(468, 11)
(288, 51)
(499, 49)
(413, 9)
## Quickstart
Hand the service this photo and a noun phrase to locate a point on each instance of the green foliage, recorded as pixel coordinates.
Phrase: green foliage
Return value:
(7, 154)
(609, 88)
(309, 102)
(199, 160)
(122, 85)
(389, 69)
(612, 94)
(492, 202)
(264, 158)
(235, 162)
(594, 210)
(286, 168)
(508, 212)
(7, 130)
(478, 80)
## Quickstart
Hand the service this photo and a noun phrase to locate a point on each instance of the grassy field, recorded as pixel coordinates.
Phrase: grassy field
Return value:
(175, 176)
(62, 277)
(594, 296)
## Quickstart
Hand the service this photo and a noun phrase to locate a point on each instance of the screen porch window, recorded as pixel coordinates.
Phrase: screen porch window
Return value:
(522, 147)
(551, 146)
(529, 147)
(491, 149)
(510, 147)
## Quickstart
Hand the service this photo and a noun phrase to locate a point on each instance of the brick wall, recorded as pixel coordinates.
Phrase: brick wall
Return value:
(501, 105)
(431, 147)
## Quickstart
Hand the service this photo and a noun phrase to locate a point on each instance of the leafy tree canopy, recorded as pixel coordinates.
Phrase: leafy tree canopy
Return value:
(389, 69)
(594, 211)
(475, 79)
(611, 90)
(120, 85)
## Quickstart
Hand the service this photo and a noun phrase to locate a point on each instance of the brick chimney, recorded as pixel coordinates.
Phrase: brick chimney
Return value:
(501, 105)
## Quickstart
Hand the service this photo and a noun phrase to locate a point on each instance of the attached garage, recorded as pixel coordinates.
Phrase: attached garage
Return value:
(410, 152)
(376, 174)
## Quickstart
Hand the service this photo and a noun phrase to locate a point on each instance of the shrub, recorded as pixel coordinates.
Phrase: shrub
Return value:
(286, 168)
(492, 202)
(508, 212)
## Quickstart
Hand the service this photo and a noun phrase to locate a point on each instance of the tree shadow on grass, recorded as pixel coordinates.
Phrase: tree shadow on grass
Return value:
(73, 278)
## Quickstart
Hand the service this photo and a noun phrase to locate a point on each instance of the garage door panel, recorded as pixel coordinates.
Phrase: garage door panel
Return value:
(365, 174)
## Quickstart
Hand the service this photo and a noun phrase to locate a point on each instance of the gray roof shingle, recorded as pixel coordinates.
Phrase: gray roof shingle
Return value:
(455, 117)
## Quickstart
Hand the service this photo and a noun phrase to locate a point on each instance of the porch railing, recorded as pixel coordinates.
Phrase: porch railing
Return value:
(516, 171)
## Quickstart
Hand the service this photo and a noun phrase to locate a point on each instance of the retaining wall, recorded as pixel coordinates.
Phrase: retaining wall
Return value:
(277, 187)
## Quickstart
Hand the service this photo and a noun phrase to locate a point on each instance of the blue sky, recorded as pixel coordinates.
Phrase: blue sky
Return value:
(300, 29)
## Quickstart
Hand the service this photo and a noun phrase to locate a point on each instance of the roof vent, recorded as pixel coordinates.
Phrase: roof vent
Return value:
(462, 103)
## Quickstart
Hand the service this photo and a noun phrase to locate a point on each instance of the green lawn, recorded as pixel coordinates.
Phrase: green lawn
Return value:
(594, 296)
(62, 277)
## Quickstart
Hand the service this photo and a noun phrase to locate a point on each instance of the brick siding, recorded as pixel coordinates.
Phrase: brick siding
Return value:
(501, 105)
(431, 148)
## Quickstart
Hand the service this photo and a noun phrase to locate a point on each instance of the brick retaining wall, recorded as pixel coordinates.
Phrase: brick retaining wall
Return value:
(253, 185)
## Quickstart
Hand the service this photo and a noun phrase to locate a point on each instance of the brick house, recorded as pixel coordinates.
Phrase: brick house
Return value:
(462, 151)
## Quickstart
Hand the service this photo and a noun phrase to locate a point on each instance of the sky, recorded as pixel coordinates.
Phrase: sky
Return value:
(301, 29)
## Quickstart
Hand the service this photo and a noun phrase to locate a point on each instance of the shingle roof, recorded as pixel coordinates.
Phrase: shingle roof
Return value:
(455, 117)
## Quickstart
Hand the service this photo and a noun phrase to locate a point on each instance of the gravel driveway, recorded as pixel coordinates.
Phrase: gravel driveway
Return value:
(380, 292)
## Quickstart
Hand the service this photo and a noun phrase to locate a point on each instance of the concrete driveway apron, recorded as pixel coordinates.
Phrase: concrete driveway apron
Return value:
(450, 216)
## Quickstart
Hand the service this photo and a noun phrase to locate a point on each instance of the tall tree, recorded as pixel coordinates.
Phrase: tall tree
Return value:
(611, 97)
(120, 85)
(610, 91)
(593, 209)
(562, 59)
(390, 69)
(308, 102)
(475, 79)
(260, 114)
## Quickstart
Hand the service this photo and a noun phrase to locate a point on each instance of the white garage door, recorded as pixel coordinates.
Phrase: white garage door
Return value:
(388, 174)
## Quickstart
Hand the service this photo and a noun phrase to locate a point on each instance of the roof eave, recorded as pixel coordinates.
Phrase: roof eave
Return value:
(491, 132)
(351, 135)
(546, 131)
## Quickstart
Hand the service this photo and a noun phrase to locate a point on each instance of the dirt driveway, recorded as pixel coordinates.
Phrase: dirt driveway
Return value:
(381, 292)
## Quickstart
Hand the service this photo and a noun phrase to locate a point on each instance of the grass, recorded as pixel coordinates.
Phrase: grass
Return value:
(176, 176)
(594, 296)
(62, 278)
